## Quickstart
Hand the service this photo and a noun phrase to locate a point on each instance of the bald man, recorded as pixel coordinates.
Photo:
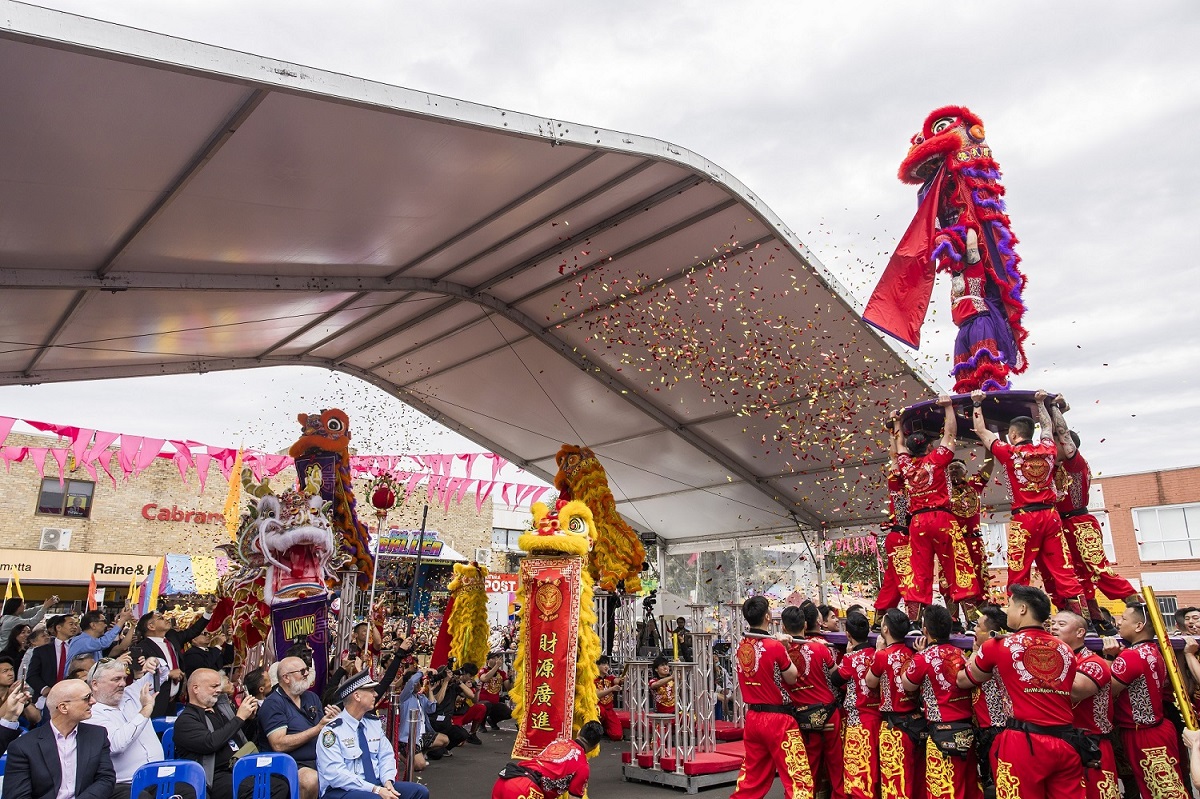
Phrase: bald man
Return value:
(1092, 694)
(291, 718)
(63, 753)
(205, 733)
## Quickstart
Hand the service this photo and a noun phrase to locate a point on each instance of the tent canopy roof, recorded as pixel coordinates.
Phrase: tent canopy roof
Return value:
(173, 207)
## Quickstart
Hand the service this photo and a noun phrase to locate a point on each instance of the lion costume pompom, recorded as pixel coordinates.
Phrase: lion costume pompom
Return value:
(468, 623)
(618, 557)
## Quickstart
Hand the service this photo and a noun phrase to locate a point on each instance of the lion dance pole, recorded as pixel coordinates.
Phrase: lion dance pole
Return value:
(554, 689)
(1168, 653)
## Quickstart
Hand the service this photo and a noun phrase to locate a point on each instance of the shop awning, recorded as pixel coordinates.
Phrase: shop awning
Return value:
(171, 207)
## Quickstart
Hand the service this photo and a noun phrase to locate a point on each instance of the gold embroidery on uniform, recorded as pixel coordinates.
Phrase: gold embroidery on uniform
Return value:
(902, 559)
(796, 760)
(1106, 787)
(964, 569)
(857, 761)
(1018, 537)
(1160, 775)
(891, 763)
(939, 773)
(1090, 542)
(1007, 784)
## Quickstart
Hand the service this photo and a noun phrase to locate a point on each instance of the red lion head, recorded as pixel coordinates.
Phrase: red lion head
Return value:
(946, 131)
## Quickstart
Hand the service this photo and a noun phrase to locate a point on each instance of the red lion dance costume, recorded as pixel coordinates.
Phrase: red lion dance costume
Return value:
(961, 228)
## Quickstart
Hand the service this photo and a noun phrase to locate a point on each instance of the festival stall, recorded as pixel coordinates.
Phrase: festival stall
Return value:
(396, 572)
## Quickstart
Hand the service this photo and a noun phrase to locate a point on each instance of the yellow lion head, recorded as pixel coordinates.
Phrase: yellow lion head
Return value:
(568, 529)
(467, 576)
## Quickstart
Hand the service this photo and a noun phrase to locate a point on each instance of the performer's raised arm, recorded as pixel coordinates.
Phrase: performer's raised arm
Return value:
(986, 437)
(950, 428)
(898, 447)
(1062, 433)
(1042, 414)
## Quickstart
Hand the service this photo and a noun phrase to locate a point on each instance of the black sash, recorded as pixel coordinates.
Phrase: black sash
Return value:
(953, 738)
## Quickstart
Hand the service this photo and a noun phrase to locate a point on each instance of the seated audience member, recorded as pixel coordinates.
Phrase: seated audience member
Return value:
(8, 679)
(38, 636)
(205, 734)
(414, 695)
(11, 708)
(354, 758)
(39, 759)
(124, 712)
(291, 717)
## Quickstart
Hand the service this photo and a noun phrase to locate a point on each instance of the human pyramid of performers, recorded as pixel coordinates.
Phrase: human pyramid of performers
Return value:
(1031, 710)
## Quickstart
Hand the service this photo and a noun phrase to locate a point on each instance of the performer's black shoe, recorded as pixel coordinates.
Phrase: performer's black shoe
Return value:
(1103, 628)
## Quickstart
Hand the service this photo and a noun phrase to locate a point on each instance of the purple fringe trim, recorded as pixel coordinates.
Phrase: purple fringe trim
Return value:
(946, 249)
(973, 361)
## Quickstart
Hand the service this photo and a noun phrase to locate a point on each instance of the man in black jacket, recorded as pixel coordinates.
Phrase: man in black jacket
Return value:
(205, 734)
(48, 664)
(39, 761)
(157, 638)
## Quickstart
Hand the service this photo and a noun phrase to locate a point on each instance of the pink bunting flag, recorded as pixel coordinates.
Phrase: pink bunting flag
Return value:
(452, 484)
(13, 455)
(202, 460)
(82, 441)
(497, 463)
(224, 458)
(60, 430)
(414, 480)
(101, 442)
(536, 494)
(104, 458)
(39, 459)
(60, 456)
(6, 424)
(470, 458)
(483, 490)
(146, 455)
(504, 487)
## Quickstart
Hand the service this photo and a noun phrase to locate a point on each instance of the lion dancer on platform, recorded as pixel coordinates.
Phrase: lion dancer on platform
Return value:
(928, 486)
(1035, 532)
(772, 739)
(860, 733)
(897, 564)
(816, 705)
(966, 503)
(1080, 528)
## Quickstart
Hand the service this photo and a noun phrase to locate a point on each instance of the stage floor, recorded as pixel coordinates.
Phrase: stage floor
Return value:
(472, 771)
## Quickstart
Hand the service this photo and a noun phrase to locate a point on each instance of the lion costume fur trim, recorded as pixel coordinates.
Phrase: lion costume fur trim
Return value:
(468, 623)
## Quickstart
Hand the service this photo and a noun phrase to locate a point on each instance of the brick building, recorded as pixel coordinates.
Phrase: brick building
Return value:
(56, 536)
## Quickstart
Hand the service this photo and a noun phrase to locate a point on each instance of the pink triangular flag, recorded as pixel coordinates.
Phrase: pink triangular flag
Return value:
(101, 442)
(181, 465)
(536, 494)
(104, 458)
(203, 460)
(83, 439)
(414, 480)
(39, 459)
(60, 455)
(146, 455)
(13, 455)
(483, 490)
(128, 455)
(6, 423)
(504, 487)
(497, 463)
(90, 468)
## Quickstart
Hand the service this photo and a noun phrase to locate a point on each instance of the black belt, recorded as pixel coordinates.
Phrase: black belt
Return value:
(784, 709)
(942, 508)
(1032, 508)
(1058, 730)
(1076, 512)
(897, 528)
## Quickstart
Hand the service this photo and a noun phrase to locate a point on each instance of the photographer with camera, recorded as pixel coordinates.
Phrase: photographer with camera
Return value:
(446, 687)
(415, 695)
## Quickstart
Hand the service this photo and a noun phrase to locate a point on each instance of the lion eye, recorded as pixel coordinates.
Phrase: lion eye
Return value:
(577, 525)
(942, 124)
(334, 425)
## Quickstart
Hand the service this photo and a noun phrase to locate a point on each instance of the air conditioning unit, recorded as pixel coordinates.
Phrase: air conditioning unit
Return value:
(55, 538)
(483, 556)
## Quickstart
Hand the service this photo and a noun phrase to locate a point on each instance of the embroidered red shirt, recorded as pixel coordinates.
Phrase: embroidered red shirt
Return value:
(861, 701)
(1030, 469)
(966, 501)
(991, 705)
(814, 662)
(607, 681)
(1037, 670)
(936, 670)
(926, 480)
(889, 666)
(897, 499)
(664, 695)
(564, 769)
(1142, 669)
(490, 690)
(1094, 715)
(1073, 478)
(761, 663)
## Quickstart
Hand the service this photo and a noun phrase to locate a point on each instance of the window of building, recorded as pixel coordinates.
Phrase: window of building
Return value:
(72, 498)
(1167, 605)
(1168, 532)
(504, 539)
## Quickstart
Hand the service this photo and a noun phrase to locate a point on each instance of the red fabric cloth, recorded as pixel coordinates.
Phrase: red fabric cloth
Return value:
(1153, 753)
(1033, 766)
(860, 756)
(561, 763)
(948, 777)
(926, 480)
(490, 690)
(853, 669)
(606, 681)
(1036, 537)
(990, 704)
(773, 746)
(930, 535)
(760, 666)
(664, 695)
(441, 645)
(824, 750)
(1030, 467)
(966, 501)
(1073, 479)
(1103, 782)
(889, 666)
(814, 663)
(935, 670)
(1142, 670)
(1085, 542)
(1095, 714)
(901, 298)
(612, 724)
(897, 499)
(1037, 670)
(898, 557)
(901, 768)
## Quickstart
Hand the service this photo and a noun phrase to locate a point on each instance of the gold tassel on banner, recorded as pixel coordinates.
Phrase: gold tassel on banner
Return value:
(233, 499)
(1168, 653)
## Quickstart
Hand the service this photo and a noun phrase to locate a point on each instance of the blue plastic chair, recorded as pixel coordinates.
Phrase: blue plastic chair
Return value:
(261, 766)
(168, 742)
(164, 775)
(162, 725)
(3, 763)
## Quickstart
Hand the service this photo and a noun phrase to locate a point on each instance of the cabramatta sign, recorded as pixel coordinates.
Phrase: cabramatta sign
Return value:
(406, 542)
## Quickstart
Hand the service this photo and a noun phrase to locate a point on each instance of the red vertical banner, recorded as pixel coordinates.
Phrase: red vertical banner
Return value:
(552, 589)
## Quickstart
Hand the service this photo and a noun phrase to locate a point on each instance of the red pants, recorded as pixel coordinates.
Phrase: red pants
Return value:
(475, 715)
(1037, 536)
(516, 788)
(860, 755)
(773, 746)
(612, 724)
(1086, 544)
(948, 777)
(901, 773)
(824, 751)
(930, 534)
(1154, 754)
(1102, 783)
(977, 552)
(898, 559)
(1032, 766)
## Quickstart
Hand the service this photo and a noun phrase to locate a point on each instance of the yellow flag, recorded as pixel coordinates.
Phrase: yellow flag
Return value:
(155, 584)
(233, 499)
(8, 589)
(17, 584)
(132, 597)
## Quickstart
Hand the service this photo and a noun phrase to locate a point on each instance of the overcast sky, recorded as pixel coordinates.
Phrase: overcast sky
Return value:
(1091, 109)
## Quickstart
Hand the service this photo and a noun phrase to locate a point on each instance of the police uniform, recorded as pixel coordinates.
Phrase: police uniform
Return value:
(354, 757)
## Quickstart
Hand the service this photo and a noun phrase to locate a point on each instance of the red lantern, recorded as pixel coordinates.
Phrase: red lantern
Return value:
(383, 498)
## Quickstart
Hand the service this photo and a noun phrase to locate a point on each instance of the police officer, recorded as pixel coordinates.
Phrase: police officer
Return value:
(354, 758)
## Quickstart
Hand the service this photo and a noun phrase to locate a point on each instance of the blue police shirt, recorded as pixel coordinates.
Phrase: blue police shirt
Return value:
(340, 759)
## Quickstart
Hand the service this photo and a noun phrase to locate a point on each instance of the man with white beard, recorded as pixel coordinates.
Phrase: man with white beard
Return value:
(124, 711)
(291, 718)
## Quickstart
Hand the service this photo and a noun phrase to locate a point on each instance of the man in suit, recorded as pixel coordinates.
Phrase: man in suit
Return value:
(63, 758)
(157, 638)
(49, 662)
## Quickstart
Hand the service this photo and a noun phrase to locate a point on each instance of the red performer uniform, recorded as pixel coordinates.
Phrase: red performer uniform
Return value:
(900, 773)
(817, 712)
(928, 487)
(1035, 532)
(1082, 532)
(1037, 669)
(992, 708)
(608, 715)
(664, 695)
(772, 739)
(860, 754)
(1094, 716)
(489, 689)
(897, 568)
(966, 503)
(948, 709)
(1150, 742)
(562, 768)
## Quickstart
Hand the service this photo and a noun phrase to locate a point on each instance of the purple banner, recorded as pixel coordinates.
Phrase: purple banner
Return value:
(300, 624)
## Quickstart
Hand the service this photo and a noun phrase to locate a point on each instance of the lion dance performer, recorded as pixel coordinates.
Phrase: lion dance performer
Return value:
(554, 682)
(897, 566)
(468, 619)
(961, 228)
(619, 554)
